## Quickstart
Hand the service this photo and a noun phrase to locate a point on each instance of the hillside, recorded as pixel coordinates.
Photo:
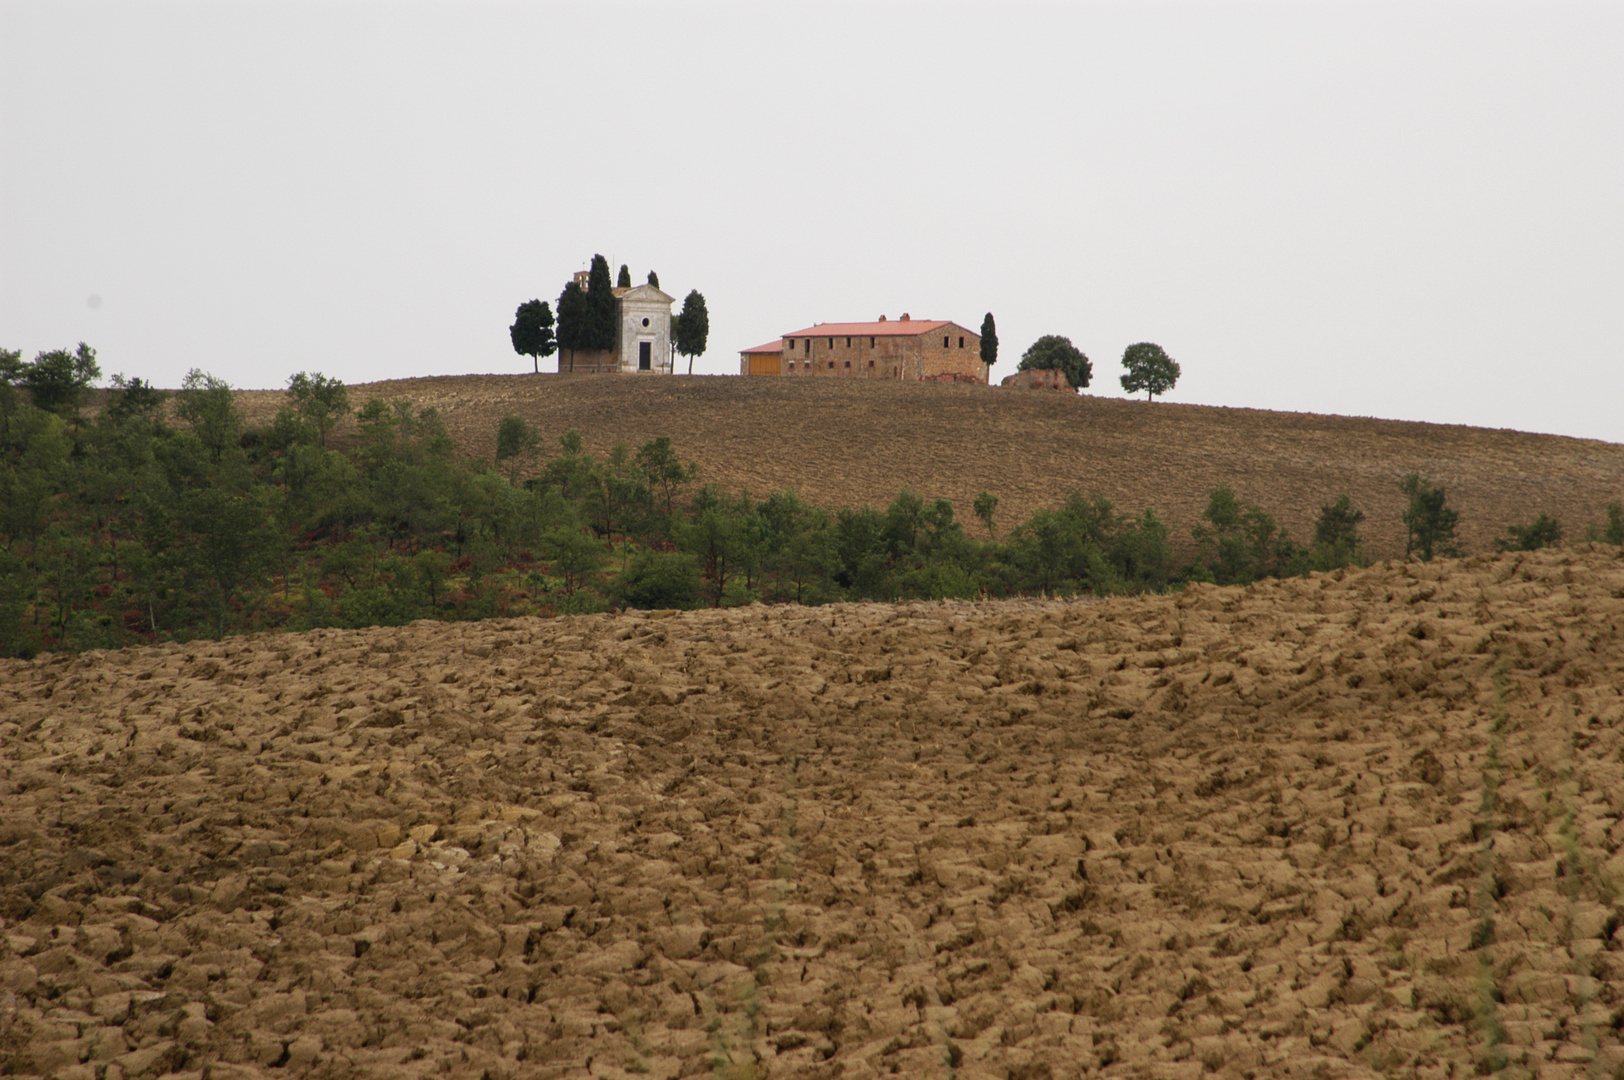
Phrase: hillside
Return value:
(845, 443)
(1355, 825)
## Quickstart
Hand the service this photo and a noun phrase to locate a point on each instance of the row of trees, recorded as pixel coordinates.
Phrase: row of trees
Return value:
(586, 319)
(1147, 365)
(165, 516)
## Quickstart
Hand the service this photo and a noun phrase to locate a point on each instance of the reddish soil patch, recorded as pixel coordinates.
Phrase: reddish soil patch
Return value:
(1352, 825)
(845, 443)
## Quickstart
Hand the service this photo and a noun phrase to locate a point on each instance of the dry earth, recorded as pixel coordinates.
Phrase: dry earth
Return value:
(1361, 824)
(845, 443)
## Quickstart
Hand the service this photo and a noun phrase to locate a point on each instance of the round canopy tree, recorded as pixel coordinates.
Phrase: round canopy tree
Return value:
(1055, 351)
(532, 331)
(1149, 369)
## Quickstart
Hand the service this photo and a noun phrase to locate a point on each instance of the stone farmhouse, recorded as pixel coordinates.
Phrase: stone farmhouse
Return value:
(904, 348)
(642, 334)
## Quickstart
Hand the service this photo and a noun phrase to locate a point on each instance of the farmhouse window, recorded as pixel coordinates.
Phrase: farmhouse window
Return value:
(961, 341)
(871, 343)
(944, 342)
(871, 363)
(831, 365)
(831, 343)
(848, 343)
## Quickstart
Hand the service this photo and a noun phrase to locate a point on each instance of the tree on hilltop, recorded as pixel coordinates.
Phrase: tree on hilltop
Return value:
(624, 281)
(532, 332)
(654, 279)
(690, 330)
(600, 307)
(989, 341)
(573, 317)
(57, 378)
(319, 401)
(1054, 352)
(1149, 369)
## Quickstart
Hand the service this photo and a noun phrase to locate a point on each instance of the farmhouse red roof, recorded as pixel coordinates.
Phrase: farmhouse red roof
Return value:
(888, 328)
(770, 347)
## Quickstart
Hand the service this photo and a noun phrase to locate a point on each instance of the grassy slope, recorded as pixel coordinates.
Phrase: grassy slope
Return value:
(843, 443)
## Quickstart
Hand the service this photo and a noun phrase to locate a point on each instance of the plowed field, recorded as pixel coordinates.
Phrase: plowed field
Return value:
(1357, 825)
(846, 443)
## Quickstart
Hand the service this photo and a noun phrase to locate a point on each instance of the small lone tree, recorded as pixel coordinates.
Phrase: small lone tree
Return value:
(624, 281)
(654, 279)
(1336, 536)
(690, 330)
(1052, 351)
(1149, 369)
(989, 341)
(1428, 521)
(532, 332)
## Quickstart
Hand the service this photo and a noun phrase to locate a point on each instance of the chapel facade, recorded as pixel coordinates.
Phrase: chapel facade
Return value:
(642, 334)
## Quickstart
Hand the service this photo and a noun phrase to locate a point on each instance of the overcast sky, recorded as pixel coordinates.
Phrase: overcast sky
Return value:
(1405, 210)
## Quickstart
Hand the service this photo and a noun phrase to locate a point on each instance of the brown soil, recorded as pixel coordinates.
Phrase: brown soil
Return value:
(845, 443)
(1352, 825)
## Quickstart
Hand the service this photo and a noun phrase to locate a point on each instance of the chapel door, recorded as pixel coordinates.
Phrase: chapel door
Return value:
(645, 356)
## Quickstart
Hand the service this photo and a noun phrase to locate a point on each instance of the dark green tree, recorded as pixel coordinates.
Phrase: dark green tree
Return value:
(654, 279)
(989, 341)
(986, 505)
(514, 439)
(665, 471)
(56, 379)
(600, 307)
(1149, 369)
(1543, 532)
(574, 316)
(1613, 531)
(320, 401)
(690, 330)
(11, 373)
(207, 403)
(624, 281)
(1429, 521)
(1336, 536)
(532, 331)
(1241, 542)
(132, 398)
(1055, 352)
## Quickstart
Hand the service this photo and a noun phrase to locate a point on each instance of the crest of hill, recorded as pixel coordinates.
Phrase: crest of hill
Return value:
(845, 443)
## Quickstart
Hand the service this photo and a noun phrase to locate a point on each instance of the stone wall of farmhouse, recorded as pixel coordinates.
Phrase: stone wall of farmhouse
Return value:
(949, 350)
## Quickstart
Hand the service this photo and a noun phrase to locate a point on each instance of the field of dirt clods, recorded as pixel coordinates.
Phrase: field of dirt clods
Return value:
(1357, 825)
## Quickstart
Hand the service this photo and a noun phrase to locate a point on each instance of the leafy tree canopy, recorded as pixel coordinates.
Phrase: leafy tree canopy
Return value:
(1543, 532)
(532, 331)
(56, 379)
(320, 402)
(691, 328)
(1429, 520)
(1052, 351)
(989, 341)
(1149, 369)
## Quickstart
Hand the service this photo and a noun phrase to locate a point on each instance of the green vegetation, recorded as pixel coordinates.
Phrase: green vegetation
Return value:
(121, 527)
(1544, 531)
(532, 331)
(690, 328)
(1054, 351)
(1428, 520)
(989, 341)
(1149, 369)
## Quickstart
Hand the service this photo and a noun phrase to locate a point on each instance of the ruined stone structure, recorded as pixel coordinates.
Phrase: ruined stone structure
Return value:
(904, 348)
(642, 335)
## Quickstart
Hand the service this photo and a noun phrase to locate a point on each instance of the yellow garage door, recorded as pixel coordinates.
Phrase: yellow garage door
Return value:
(766, 364)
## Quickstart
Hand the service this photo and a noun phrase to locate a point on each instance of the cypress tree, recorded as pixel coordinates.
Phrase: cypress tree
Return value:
(654, 279)
(572, 321)
(625, 279)
(600, 305)
(989, 341)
